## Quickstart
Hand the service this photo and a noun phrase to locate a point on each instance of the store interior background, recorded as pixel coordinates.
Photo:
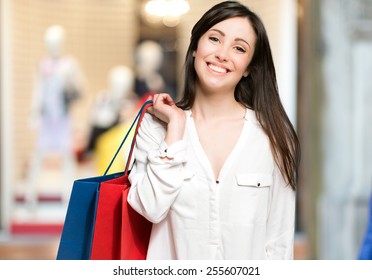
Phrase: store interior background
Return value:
(322, 50)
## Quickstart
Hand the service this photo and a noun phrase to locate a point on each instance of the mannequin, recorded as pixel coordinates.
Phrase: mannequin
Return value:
(58, 84)
(149, 59)
(110, 106)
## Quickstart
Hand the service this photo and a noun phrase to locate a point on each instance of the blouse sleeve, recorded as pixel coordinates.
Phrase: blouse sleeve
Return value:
(281, 220)
(155, 182)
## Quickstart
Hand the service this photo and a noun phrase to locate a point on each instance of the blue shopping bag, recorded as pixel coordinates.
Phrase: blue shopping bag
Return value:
(77, 234)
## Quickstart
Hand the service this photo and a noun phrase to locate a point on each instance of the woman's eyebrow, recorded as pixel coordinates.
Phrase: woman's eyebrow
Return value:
(223, 34)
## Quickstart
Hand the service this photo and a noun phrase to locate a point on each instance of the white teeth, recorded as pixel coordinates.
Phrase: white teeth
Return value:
(217, 69)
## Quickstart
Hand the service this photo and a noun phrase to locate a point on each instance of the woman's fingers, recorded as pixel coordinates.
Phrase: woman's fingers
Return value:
(163, 108)
(156, 103)
(162, 98)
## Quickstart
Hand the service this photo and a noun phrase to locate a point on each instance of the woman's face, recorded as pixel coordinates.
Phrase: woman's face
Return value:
(223, 55)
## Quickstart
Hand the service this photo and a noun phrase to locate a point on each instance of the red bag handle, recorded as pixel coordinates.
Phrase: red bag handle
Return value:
(139, 117)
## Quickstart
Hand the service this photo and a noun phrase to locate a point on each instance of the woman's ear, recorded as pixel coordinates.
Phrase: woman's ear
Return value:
(246, 73)
(193, 53)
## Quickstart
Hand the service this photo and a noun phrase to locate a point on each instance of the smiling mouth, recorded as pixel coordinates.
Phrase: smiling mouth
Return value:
(217, 69)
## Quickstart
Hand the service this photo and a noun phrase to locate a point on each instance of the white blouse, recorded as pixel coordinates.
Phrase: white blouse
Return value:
(248, 213)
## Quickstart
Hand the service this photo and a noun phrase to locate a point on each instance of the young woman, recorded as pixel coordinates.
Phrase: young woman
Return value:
(216, 173)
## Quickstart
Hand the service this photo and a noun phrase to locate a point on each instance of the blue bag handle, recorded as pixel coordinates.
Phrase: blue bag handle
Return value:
(139, 117)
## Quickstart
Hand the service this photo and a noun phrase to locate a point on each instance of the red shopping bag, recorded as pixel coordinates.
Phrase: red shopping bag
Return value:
(107, 231)
(135, 232)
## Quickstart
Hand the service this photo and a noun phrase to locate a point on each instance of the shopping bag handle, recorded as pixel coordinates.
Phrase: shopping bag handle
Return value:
(137, 119)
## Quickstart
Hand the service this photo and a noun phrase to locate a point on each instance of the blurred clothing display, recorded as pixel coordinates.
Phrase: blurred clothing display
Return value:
(56, 93)
(112, 106)
(108, 143)
(58, 85)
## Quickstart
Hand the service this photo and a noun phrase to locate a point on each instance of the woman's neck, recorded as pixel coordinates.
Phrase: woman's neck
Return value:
(216, 106)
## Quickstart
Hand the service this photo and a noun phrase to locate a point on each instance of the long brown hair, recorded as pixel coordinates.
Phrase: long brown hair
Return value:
(258, 91)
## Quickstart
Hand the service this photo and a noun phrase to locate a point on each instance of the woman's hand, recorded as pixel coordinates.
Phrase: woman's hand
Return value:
(166, 110)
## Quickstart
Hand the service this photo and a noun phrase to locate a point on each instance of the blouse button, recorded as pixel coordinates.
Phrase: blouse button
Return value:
(258, 184)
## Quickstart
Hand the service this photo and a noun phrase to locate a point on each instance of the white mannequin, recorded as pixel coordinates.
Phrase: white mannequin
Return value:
(149, 59)
(111, 104)
(58, 77)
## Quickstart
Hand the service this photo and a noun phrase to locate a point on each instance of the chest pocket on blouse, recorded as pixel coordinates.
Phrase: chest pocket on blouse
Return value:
(258, 180)
(250, 198)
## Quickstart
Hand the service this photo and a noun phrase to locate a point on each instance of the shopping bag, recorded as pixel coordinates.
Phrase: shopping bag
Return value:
(81, 217)
(135, 231)
(76, 239)
(109, 237)
(107, 232)
(120, 232)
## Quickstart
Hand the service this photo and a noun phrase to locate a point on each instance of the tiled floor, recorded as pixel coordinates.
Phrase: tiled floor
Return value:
(45, 248)
(29, 248)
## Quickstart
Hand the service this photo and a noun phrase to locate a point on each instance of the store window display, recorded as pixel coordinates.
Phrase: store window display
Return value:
(58, 84)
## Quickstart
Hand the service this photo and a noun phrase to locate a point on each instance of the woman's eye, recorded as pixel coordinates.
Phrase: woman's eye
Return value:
(240, 49)
(213, 39)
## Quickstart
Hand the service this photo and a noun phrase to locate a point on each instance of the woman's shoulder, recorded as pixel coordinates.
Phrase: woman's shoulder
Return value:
(251, 117)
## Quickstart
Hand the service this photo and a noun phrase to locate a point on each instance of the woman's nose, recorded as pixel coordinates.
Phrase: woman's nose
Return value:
(222, 53)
